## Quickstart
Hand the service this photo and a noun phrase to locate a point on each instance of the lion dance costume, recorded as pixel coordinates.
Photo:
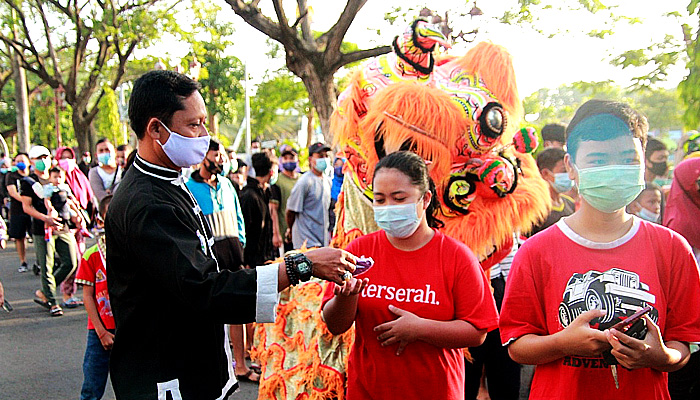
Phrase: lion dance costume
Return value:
(460, 114)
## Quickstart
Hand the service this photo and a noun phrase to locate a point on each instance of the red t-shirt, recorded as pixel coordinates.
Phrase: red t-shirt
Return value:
(558, 274)
(92, 272)
(441, 281)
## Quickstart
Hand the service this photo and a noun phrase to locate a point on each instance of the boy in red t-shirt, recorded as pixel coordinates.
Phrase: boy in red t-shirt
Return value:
(572, 282)
(92, 274)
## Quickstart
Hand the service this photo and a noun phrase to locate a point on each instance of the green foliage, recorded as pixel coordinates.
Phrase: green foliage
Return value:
(42, 119)
(689, 88)
(107, 122)
(662, 56)
(661, 106)
(278, 103)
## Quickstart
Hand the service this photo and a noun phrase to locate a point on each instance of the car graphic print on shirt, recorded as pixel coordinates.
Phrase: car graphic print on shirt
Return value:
(618, 292)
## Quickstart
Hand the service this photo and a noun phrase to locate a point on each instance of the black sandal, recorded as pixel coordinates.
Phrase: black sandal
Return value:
(56, 311)
(246, 377)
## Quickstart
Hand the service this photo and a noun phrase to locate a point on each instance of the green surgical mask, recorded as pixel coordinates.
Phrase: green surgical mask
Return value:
(41, 166)
(611, 187)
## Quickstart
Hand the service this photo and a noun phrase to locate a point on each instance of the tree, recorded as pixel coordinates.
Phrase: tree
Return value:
(314, 59)
(220, 74)
(86, 44)
(689, 88)
(107, 120)
(279, 102)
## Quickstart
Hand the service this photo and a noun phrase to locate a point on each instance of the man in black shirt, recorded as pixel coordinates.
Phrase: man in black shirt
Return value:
(20, 222)
(255, 197)
(60, 241)
(169, 295)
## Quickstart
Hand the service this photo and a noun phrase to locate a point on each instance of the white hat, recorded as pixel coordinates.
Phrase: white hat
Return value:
(38, 151)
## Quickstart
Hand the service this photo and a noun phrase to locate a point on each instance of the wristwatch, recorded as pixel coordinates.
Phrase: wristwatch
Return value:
(299, 267)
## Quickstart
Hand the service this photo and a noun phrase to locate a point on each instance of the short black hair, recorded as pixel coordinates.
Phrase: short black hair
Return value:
(123, 147)
(214, 145)
(637, 123)
(102, 208)
(103, 140)
(654, 145)
(20, 153)
(549, 157)
(56, 170)
(554, 132)
(158, 94)
(262, 163)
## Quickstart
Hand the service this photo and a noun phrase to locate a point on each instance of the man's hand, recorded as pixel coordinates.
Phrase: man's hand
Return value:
(107, 340)
(579, 339)
(277, 240)
(634, 353)
(330, 264)
(352, 287)
(288, 235)
(403, 330)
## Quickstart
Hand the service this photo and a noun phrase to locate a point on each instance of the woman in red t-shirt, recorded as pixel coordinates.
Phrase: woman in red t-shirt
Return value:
(428, 297)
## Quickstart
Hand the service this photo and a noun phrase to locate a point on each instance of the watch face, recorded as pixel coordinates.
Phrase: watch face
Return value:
(304, 268)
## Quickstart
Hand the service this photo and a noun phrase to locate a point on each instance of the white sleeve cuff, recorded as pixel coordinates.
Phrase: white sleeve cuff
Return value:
(267, 295)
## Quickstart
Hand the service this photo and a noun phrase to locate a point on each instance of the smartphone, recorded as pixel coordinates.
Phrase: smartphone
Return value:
(7, 306)
(620, 326)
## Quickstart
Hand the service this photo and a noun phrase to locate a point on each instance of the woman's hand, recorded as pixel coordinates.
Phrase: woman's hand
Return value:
(353, 287)
(403, 330)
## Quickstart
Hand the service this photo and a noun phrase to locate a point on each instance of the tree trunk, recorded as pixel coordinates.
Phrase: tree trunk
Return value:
(83, 130)
(321, 90)
(22, 103)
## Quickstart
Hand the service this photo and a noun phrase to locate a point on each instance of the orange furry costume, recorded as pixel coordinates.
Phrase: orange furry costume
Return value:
(460, 114)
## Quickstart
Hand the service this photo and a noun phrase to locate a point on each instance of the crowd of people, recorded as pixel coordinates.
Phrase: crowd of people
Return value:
(215, 233)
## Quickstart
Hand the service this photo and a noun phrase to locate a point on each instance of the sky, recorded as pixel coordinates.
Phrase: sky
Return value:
(562, 55)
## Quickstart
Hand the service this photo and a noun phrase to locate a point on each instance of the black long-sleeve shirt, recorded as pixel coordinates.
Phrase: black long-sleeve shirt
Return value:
(169, 297)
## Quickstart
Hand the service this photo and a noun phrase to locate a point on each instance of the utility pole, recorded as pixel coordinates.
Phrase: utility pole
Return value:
(21, 98)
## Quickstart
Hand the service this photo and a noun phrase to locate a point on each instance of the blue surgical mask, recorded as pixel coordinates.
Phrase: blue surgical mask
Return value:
(611, 187)
(562, 183)
(289, 166)
(648, 215)
(105, 158)
(273, 178)
(322, 164)
(21, 166)
(399, 221)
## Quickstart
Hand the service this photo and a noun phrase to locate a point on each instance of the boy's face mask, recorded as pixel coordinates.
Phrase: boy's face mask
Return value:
(610, 187)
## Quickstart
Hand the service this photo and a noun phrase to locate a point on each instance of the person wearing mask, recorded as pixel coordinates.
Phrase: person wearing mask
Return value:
(62, 241)
(570, 284)
(286, 181)
(256, 212)
(683, 216)
(170, 296)
(647, 205)
(20, 222)
(336, 187)
(550, 162)
(239, 175)
(217, 197)
(123, 151)
(85, 163)
(655, 160)
(553, 136)
(309, 201)
(106, 176)
(255, 147)
(422, 300)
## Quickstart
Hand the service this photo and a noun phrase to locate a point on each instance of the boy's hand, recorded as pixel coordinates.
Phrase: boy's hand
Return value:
(579, 339)
(634, 353)
(403, 330)
(107, 340)
(350, 288)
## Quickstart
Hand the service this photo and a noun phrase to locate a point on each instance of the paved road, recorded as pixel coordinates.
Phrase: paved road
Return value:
(41, 357)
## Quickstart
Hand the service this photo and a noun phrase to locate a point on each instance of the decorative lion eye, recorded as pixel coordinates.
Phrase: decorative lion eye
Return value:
(494, 118)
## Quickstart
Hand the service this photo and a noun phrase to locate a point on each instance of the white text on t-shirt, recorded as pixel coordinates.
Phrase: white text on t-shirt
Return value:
(426, 296)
